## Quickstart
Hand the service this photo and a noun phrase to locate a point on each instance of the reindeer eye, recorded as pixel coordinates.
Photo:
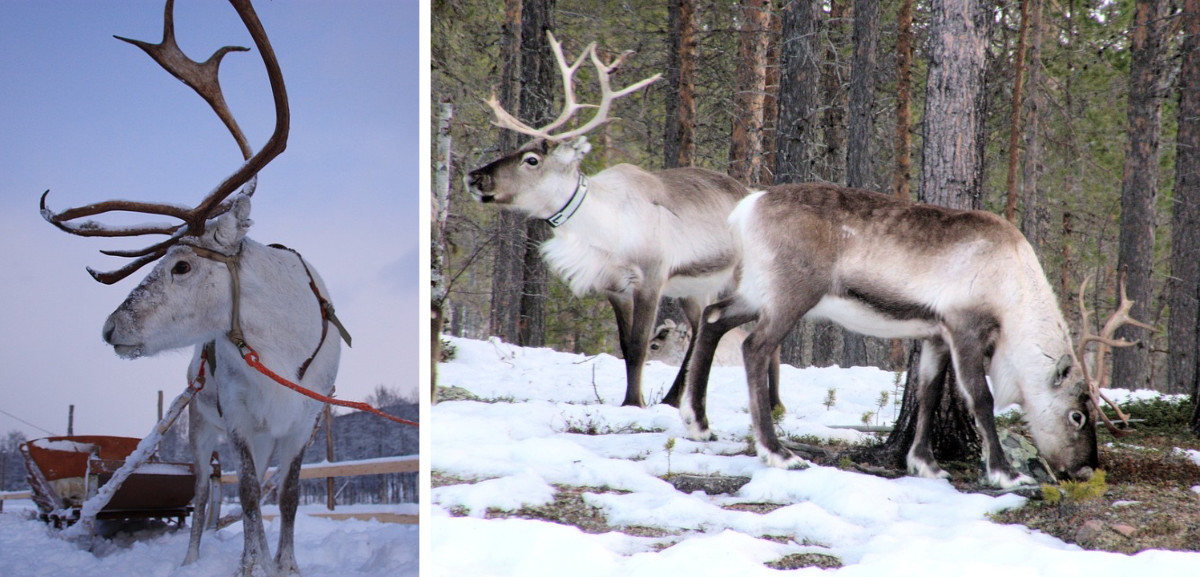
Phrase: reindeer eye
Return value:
(531, 159)
(1077, 418)
(181, 267)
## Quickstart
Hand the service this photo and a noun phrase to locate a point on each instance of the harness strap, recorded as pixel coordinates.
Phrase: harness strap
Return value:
(251, 358)
(326, 312)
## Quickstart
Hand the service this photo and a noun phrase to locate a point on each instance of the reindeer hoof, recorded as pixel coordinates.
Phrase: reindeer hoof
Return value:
(922, 468)
(783, 459)
(1009, 480)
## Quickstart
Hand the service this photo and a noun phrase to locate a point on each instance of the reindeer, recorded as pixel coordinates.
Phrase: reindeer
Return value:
(628, 233)
(236, 301)
(671, 340)
(966, 283)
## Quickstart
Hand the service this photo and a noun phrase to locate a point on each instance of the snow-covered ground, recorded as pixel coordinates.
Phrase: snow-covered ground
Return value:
(324, 548)
(529, 437)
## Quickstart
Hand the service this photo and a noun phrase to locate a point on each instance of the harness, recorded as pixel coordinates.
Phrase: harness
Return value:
(237, 337)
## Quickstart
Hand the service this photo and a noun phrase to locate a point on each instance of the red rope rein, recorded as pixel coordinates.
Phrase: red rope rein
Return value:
(251, 358)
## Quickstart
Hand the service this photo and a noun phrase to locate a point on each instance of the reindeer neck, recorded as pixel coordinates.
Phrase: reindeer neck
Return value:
(278, 314)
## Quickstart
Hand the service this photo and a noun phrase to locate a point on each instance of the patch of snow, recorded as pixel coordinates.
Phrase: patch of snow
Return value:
(552, 418)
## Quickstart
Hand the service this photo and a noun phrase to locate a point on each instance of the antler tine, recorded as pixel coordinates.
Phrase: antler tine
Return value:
(1099, 379)
(570, 106)
(203, 79)
(607, 96)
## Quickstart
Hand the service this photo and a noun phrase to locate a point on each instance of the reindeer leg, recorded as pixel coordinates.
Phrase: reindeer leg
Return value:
(931, 377)
(970, 364)
(773, 382)
(622, 304)
(758, 351)
(691, 311)
(203, 439)
(645, 310)
(289, 501)
(719, 318)
(255, 550)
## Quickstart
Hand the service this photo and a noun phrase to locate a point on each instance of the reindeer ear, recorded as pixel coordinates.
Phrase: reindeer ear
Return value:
(225, 232)
(1062, 369)
(581, 146)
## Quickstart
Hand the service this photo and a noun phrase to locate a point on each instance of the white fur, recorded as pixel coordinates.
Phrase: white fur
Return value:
(281, 320)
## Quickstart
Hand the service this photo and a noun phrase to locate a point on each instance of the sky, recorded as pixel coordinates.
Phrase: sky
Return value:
(91, 118)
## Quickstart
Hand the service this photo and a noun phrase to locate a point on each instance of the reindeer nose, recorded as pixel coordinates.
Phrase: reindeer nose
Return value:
(109, 328)
(1082, 474)
(480, 182)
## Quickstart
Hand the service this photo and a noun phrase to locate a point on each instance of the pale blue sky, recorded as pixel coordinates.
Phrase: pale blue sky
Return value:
(92, 118)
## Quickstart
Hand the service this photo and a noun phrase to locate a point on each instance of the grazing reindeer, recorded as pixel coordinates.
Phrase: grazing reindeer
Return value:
(216, 289)
(966, 283)
(670, 342)
(633, 235)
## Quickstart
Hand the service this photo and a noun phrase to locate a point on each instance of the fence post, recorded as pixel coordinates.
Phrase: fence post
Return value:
(328, 457)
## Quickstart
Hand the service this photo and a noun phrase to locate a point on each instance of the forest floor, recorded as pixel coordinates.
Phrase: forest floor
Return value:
(1150, 501)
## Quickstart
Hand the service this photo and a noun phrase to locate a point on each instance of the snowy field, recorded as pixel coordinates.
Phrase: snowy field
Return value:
(529, 437)
(324, 548)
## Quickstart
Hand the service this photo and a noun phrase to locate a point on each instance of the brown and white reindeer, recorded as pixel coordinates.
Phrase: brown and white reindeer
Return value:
(966, 283)
(631, 234)
(214, 286)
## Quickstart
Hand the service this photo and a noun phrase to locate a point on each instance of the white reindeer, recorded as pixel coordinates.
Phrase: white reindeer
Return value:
(246, 300)
(966, 283)
(633, 235)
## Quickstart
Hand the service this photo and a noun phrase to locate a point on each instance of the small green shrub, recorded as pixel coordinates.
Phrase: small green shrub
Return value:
(1075, 492)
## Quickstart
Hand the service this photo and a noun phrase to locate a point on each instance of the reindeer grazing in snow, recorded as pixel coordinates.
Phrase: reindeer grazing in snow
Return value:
(966, 283)
(671, 340)
(633, 235)
(213, 288)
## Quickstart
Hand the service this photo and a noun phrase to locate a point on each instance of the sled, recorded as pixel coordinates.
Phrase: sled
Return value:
(63, 472)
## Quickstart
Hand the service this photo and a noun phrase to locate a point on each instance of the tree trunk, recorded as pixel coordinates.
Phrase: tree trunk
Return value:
(1014, 123)
(799, 72)
(861, 131)
(508, 255)
(679, 141)
(440, 210)
(949, 177)
(746, 138)
(1183, 330)
(1033, 218)
(1139, 183)
(827, 337)
(539, 74)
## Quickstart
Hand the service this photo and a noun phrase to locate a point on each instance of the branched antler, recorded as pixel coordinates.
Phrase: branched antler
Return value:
(570, 106)
(203, 78)
(1098, 378)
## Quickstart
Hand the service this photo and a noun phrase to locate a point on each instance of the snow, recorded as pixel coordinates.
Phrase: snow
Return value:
(529, 436)
(324, 548)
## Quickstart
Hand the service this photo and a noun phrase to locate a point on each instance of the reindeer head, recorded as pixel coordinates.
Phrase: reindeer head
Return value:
(543, 176)
(186, 299)
(1061, 417)
(175, 289)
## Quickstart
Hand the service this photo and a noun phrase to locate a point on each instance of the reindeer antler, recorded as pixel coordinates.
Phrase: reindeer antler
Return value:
(1099, 378)
(570, 106)
(203, 78)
